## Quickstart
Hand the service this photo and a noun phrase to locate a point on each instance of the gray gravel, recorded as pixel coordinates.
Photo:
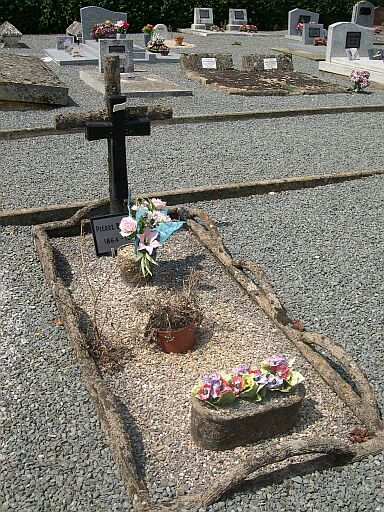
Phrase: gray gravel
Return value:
(322, 249)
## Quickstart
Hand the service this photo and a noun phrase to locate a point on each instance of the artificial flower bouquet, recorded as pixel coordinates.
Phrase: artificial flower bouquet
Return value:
(248, 28)
(299, 27)
(360, 80)
(108, 29)
(320, 41)
(248, 382)
(147, 29)
(148, 225)
(121, 27)
(156, 45)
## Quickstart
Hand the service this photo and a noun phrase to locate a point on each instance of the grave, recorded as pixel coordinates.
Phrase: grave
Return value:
(262, 75)
(161, 31)
(201, 18)
(91, 15)
(311, 31)
(137, 84)
(29, 80)
(362, 14)
(300, 16)
(237, 17)
(121, 47)
(347, 49)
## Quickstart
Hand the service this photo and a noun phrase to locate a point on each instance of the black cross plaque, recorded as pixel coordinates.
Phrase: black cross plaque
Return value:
(115, 132)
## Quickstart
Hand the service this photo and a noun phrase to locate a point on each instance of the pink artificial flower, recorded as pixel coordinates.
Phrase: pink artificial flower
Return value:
(127, 226)
(204, 392)
(158, 203)
(148, 240)
(237, 385)
(281, 371)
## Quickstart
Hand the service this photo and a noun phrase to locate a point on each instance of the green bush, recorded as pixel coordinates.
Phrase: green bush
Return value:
(50, 16)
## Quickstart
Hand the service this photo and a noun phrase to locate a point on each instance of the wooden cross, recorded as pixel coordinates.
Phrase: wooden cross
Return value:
(115, 130)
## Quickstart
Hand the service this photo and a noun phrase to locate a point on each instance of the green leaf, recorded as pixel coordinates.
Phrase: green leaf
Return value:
(226, 398)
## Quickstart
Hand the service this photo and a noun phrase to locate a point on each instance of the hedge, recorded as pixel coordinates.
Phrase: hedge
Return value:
(50, 16)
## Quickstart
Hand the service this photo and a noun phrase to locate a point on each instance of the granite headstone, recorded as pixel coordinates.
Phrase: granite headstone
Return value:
(91, 15)
(362, 14)
(121, 47)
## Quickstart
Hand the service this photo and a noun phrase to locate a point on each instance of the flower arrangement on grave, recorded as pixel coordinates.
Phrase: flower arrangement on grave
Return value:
(299, 28)
(103, 30)
(147, 29)
(248, 28)
(156, 45)
(378, 29)
(121, 27)
(320, 41)
(248, 382)
(148, 225)
(360, 80)
(216, 28)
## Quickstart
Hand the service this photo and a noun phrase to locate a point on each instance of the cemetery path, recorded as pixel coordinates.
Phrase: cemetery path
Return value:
(321, 248)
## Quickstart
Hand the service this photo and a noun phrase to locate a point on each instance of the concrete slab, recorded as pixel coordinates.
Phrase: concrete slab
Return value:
(206, 33)
(90, 55)
(137, 84)
(308, 52)
(29, 80)
(343, 66)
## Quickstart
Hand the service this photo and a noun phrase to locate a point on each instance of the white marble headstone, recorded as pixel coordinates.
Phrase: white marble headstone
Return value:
(300, 16)
(202, 16)
(161, 31)
(343, 36)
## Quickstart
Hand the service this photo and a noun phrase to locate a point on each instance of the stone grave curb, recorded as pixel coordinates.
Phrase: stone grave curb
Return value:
(40, 215)
(299, 53)
(362, 403)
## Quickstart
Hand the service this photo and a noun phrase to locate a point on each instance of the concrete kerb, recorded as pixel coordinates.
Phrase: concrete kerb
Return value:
(51, 213)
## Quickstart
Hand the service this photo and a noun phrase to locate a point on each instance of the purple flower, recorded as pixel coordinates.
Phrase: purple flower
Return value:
(243, 368)
(212, 378)
(276, 360)
(274, 381)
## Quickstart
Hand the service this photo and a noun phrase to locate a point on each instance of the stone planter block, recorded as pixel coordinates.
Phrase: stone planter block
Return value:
(216, 430)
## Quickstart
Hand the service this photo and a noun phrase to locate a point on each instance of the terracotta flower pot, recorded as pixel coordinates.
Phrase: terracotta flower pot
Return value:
(177, 340)
(179, 40)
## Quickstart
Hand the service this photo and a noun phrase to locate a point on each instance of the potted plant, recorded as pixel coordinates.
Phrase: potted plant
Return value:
(360, 80)
(148, 226)
(236, 408)
(320, 41)
(121, 29)
(173, 318)
(147, 31)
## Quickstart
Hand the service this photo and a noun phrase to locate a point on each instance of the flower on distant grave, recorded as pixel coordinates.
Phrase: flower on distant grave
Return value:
(299, 27)
(148, 227)
(103, 30)
(248, 28)
(147, 29)
(127, 226)
(121, 26)
(320, 41)
(360, 80)
(247, 382)
(378, 29)
(156, 45)
(216, 28)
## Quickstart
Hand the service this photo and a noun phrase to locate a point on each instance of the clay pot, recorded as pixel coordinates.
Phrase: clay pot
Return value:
(179, 40)
(177, 340)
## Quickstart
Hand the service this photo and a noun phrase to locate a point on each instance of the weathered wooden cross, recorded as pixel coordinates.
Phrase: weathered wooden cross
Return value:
(115, 130)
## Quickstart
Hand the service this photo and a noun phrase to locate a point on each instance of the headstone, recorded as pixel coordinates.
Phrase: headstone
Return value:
(29, 80)
(378, 16)
(300, 16)
(362, 14)
(202, 16)
(258, 62)
(91, 15)
(161, 31)
(194, 62)
(122, 47)
(343, 36)
(311, 31)
(62, 41)
(9, 35)
(74, 30)
(237, 17)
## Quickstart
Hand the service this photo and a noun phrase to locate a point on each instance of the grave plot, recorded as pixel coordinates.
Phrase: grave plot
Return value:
(143, 394)
(262, 75)
(29, 80)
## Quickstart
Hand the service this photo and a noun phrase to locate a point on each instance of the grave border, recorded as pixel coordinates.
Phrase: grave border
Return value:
(362, 403)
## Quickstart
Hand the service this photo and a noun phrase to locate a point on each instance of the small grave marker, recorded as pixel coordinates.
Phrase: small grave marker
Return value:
(236, 18)
(270, 63)
(208, 63)
(121, 47)
(106, 233)
(202, 18)
(62, 41)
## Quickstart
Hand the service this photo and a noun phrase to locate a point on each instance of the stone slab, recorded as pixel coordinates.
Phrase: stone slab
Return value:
(206, 33)
(343, 66)
(29, 80)
(137, 84)
(300, 50)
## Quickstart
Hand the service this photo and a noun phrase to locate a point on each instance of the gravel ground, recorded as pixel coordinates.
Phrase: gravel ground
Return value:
(322, 249)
